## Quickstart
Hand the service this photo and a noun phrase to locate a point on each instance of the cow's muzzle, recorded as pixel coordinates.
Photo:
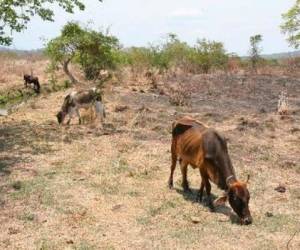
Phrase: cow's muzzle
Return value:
(246, 221)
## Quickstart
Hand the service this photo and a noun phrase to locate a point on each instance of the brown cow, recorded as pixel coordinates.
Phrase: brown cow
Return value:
(29, 79)
(204, 148)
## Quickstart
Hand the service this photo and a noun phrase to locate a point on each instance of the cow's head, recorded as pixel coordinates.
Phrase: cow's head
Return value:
(61, 117)
(238, 197)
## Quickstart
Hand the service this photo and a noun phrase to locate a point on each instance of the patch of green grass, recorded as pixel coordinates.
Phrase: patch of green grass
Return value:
(107, 186)
(278, 223)
(29, 187)
(37, 186)
(153, 211)
(15, 96)
(295, 193)
(143, 220)
(45, 244)
(17, 185)
(119, 166)
(84, 245)
(133, 193)
(27, 216)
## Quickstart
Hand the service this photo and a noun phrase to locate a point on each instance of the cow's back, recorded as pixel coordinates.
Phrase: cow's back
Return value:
(188, 139)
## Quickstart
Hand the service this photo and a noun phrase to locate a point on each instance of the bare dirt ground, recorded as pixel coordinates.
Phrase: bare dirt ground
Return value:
(81, 187)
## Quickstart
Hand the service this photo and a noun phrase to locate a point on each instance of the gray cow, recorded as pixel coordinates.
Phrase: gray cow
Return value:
(81, 99)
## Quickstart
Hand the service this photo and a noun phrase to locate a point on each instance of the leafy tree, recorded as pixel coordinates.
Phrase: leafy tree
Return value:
(209, 54)
(138, 58)
(92, 50)
(175, 53)
(15, 14)
(255, 50)
(97, 52)
(291, 25)
(63, 49)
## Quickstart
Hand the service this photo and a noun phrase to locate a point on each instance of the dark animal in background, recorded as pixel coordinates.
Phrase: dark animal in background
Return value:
(204, 148)
(29, 79)
(81, 99)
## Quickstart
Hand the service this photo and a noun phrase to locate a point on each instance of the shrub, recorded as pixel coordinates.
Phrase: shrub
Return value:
(208, 55)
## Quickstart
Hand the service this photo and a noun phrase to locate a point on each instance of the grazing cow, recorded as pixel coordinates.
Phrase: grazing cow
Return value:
(204, 148)
(29, 79)
(81, 99)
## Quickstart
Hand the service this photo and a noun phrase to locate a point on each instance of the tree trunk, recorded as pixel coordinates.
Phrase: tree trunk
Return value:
(68, 73)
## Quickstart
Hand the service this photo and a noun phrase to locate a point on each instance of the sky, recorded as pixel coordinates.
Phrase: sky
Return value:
(139, 22)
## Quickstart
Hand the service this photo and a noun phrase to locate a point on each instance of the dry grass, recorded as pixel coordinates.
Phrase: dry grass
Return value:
(81, 187)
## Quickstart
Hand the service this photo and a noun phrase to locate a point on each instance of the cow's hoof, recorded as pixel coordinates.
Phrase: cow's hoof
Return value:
(211, 207)
(187, 190)
(199, 198)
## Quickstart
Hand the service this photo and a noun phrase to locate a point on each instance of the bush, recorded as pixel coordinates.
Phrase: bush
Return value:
(209, 55)
(173, 54)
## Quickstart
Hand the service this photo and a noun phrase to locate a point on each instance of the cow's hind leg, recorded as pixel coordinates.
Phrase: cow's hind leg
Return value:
(100, 112)
(173, 165)
(71, 113)
(183, 167)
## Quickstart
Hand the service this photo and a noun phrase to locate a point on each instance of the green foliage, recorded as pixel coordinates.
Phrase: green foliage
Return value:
(139, 58)
(93, 51)
(174, 53)
(97, 52)
(255, 50)
(209, 54)
(15, 14)
(65, 47)
(291, 25)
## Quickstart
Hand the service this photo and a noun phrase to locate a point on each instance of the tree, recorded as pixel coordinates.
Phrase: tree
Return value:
(97, 52)
(175, 53)
(208, 54)
(93, 51)
(63, 49)
(255, 50)
(15, 14)
(291, 25)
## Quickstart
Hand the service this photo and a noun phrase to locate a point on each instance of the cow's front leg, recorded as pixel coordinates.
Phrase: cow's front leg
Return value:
(209, 198)
(200, 194)
(78, 115)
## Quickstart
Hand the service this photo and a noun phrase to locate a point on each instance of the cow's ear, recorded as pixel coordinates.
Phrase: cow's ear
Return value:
(220, 201)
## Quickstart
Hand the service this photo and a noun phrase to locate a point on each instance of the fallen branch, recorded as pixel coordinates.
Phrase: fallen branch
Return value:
(287, 245)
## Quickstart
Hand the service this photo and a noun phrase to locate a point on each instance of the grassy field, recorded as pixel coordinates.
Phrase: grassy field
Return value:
(81, 187)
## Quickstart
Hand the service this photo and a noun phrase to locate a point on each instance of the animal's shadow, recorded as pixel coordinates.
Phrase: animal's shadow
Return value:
(192, 196)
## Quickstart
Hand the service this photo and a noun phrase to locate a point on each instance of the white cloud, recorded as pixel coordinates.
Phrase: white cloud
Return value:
(186, 13)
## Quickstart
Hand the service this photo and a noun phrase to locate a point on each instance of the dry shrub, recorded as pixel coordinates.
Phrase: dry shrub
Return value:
(292, 65)
(152, 78)
(233, 65)
(283, 106)
(180, 95)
